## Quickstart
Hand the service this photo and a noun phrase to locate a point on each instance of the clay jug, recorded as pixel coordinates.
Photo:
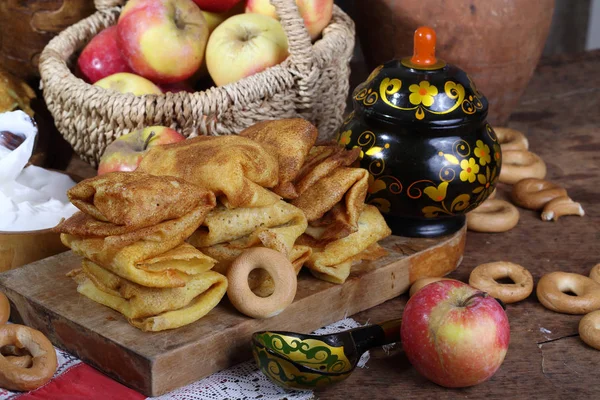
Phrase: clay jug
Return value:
(497, 42)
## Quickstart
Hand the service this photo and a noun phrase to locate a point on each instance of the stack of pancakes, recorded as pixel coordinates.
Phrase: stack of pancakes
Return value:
(276, 188)
(131, 231)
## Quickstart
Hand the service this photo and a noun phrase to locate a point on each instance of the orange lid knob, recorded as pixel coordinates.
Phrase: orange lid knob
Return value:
(424, 52)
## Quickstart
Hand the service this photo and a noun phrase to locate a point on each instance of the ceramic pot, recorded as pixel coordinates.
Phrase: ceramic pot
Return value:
(497, 42)
(431, 155)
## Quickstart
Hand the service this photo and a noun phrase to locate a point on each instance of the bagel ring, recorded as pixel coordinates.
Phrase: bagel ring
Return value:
(552, 288)
(44, 361)
(595, 273)
(484, 277)
(521, 164)
(284, 278)
(4, 309)
(511, 139)
(534, 193)
(493, 216)
(589, 329)
(422, 282)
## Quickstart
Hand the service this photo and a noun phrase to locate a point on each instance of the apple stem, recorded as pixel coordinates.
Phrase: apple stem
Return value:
(468, 299)
(148, 139)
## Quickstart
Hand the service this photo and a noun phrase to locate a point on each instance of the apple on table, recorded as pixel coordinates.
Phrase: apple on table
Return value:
(244, 45)
(454, 334)
(101, 57)
(316, 13)
(163, 40)
(126, 82)
(127, 151)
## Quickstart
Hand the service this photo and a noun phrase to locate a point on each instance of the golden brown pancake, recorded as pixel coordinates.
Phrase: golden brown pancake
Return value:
(151, 309)
(292, 140)
(332, 261)
(136, 199)
(235, 168)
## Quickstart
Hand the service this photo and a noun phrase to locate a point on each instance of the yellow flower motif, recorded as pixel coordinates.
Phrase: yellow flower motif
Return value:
(469, 170)
(382, 204)
(437, 193)
(423, 93)
(483, 152)
(345, 137)
(375, 185)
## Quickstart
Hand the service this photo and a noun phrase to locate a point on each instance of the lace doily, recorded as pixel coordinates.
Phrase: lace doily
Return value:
(245, 382)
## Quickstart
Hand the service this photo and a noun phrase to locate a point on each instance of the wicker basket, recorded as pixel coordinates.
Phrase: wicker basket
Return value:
(313, 83)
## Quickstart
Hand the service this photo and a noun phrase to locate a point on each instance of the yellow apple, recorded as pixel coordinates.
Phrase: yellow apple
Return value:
(316, 13)
(243, 45)
(126, 82)
(163, 40)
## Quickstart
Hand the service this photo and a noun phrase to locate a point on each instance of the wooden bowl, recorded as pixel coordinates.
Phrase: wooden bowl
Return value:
(21, 248)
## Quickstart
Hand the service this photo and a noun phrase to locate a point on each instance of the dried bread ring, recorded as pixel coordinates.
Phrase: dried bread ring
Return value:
(44, 358)
(595, 273)
(589, 329)
(493, 216)
(559, 207)
(521, 164)
(284, 278)
(4, 309)
(534, 193)
(511, 139)
(422, 282)
(484, 277)
(552, 289)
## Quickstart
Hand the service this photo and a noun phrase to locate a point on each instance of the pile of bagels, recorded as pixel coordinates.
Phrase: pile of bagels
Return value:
(525, 171)
(562, 292)
(27, 358)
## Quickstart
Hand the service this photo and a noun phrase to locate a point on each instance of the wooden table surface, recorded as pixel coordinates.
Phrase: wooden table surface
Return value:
(560, 114)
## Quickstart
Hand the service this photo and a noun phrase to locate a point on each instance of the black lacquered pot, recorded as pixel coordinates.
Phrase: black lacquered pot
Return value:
(431, 155)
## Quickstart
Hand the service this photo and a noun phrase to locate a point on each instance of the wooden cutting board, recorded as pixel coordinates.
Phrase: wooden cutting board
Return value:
(155, 363)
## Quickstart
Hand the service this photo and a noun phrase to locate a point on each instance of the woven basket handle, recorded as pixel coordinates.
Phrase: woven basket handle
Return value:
(300, 45)
(106, 4)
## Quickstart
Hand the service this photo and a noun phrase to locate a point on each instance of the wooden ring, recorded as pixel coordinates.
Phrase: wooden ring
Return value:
(534, 193)
(493, 216)
(511, 139)
(521, 164)
(484, 277)
(4, 309)
(44, 361)
(595, 273)
(284, 278)
(552, 289)
(589, 329)
(422, 282)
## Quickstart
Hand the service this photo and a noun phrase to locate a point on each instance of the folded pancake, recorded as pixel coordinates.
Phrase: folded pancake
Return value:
(333, 203)
(155, 256)
(276, 226)
(136, 199)
(332, 261)
(291, 140)
(151, 309)
(235, 168)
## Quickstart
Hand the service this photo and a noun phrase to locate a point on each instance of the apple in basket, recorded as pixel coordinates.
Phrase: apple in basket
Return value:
(102, 57)
(216, 6)
(126, 82)
(127, 151)
(244, 45)
(316, 13)
(163, 40)
(454, 334)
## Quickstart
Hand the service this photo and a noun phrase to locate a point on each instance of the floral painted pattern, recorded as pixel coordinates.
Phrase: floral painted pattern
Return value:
(469, 170)
(423, 93)
(345, 137)
(482, 151)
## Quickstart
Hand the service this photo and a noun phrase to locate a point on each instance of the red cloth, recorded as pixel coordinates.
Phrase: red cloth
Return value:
(82, 382)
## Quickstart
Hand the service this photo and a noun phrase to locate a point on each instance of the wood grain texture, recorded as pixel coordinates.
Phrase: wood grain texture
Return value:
(155, 363)
(546, 359)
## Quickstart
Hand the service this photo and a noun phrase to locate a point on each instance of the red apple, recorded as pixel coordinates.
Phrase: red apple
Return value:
(216, 6)
(163, 40)
(126, 152)
(102, 57)
(454, 334)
